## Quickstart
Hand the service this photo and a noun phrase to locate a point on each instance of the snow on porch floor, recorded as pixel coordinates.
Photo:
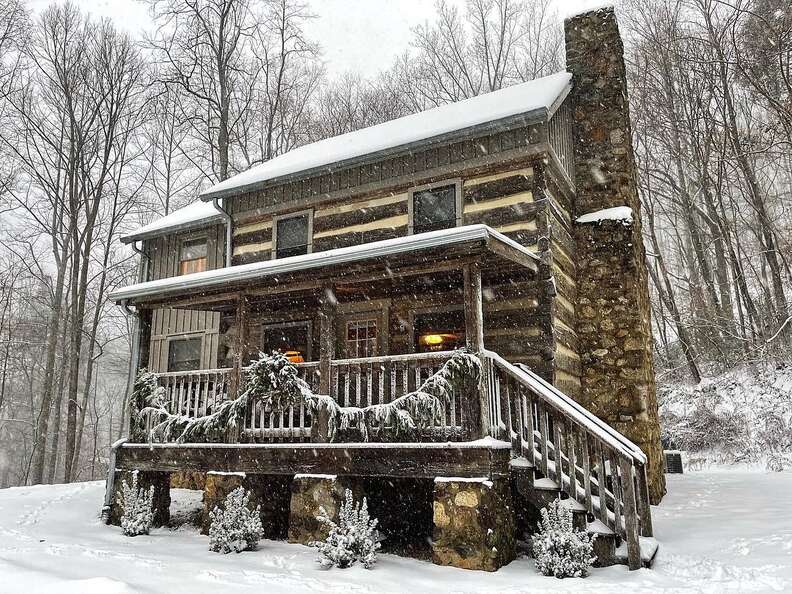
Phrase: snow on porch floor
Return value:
(719, 531)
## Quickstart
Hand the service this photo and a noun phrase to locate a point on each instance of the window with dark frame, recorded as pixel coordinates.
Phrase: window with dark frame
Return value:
(192, 256)
(184, 354)
(434, 208)
(292, 235)
(361, 338)
(293, 339)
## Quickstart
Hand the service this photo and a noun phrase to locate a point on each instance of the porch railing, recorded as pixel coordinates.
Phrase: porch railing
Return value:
(354, 382)
(593, 463)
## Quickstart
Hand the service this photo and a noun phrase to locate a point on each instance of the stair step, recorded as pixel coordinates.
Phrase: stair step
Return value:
(649, 548)
(520, 463)
(604, 544)
(546, 484)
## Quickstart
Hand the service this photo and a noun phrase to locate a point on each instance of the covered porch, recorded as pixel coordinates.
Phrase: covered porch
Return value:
(365, 324)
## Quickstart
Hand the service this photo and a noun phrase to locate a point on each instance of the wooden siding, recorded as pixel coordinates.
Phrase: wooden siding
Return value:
(561, 141)
(173, 324)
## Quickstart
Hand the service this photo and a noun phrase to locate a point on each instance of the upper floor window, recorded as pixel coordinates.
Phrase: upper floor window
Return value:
(184, 354)
(438, 206)
(292, 235)
(192, 256)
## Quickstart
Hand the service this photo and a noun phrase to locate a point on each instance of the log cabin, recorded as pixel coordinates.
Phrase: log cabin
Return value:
(507, 224)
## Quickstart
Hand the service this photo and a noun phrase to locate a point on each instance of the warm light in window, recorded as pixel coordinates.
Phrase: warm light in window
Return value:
(436, 339)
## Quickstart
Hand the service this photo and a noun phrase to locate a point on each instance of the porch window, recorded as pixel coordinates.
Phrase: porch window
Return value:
(192, 256)
(435, 207)
(361, 338)
(184, 354)
(292, 235)
(439, 331)
(293, 339)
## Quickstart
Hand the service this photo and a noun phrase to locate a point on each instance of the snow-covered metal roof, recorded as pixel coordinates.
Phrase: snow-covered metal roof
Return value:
(536, 99)
(191, 216)
(214, 279)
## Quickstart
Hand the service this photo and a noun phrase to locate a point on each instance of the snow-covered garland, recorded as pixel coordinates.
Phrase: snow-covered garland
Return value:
(273, 381)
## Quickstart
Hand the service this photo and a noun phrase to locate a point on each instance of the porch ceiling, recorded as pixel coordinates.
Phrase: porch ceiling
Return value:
(421, 254)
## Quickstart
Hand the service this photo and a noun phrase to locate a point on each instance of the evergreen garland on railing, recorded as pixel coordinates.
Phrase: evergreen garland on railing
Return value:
(273, 381)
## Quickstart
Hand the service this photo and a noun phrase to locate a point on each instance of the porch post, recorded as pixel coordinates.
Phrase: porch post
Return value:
(474, 336)
(240, 344)
(327, 314)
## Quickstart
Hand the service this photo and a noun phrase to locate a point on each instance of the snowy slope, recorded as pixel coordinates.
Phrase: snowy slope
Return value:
(519, 99)
(51, 540)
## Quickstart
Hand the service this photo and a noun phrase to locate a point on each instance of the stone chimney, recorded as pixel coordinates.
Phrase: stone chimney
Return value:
(613, 311)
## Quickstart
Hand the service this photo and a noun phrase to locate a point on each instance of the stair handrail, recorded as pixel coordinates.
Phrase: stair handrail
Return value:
(567, 406)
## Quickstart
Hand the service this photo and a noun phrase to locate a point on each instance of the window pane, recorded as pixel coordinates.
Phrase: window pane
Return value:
(290, 339)
(434, 209)
(191, 250)
(441, 331)
(361, 338)
(292, 236)
(184, 355)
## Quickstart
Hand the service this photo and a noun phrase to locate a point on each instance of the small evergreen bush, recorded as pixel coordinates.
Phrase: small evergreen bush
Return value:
(138, 506)
(558, 549)
(236, 528)
(350, 540)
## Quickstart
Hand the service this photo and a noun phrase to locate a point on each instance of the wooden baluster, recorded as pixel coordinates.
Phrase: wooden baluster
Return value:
(515, 413)
(346, 384)
(584, 449)
(509, 400)
(405, 378)
(369, 382)
(544, 437)
(617, 493)
(392, 371)
(603, 486)
(381, 383)
(630, 515)
(528, 424)
(557, 456)
(571, 462)
(358, 373)
(644, 506)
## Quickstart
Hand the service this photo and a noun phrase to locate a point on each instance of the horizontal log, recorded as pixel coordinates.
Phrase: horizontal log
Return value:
(415, 460)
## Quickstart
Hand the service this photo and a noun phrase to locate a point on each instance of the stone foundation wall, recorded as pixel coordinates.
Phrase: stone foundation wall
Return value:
(613, 314)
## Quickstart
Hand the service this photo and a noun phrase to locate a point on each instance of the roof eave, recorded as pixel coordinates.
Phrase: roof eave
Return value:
(541, 114)
(495, 241)
(192, 225)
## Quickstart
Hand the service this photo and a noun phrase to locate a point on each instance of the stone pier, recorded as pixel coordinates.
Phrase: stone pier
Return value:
(473, 523)
(309, 493)
(160, 481)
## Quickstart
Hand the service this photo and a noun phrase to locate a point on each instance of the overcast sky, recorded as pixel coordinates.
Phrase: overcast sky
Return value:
(357, 35)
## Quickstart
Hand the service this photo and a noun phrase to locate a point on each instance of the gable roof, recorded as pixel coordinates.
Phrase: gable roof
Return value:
(536, 99)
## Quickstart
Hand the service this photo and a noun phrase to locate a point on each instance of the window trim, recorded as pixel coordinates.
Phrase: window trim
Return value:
(459, 203)
(183, 337)
(307, 322)
(193, 237)
(277, 218)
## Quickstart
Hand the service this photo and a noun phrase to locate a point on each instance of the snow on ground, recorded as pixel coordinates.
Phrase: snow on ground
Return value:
(719, 531)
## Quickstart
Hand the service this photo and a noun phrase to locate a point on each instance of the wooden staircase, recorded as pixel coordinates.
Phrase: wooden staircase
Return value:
(560, 449)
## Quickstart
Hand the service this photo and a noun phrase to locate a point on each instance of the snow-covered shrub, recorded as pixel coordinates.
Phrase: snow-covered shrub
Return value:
(138, 507)
(736, 418)
(777, 462)
(236, 528)
(558, 548)
(350, 540)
